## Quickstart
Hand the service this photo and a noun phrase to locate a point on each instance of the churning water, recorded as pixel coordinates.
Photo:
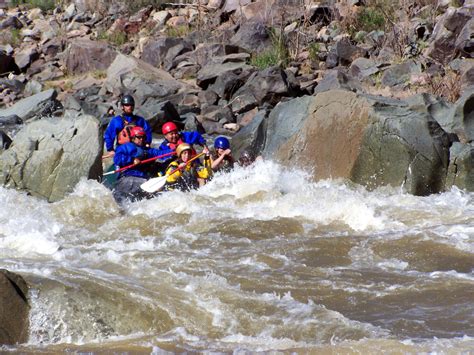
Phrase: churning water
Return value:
(262, 259)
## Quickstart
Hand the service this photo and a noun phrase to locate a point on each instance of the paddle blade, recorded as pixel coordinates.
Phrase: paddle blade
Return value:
(154, 185)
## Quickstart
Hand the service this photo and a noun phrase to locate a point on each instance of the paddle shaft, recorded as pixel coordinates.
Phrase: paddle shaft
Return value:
(141, 162)
(156, 184)
(189, 161)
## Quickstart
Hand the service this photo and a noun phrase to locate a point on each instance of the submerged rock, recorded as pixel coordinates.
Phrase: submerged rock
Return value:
(14, 308)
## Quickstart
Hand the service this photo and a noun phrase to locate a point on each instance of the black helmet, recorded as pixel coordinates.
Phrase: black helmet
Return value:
(127, 100)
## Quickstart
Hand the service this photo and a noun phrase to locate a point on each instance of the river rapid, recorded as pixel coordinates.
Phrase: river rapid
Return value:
(262, 259)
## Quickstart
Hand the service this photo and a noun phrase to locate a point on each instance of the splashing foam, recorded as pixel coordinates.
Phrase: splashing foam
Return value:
(267, 191)
(26, 226)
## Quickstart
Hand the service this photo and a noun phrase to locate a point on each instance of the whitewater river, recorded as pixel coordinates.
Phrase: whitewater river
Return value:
(263, 259)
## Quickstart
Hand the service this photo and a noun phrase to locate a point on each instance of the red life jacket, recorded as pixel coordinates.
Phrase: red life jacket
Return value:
(175, 145)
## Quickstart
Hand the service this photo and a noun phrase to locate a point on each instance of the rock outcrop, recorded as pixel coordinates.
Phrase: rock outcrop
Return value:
(48, 157)
(373, 141)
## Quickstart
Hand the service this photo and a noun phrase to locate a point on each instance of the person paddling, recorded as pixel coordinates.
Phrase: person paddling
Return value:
(185, 176)
(118, 130)
(173, 138)
(224, 160)
(129, 180)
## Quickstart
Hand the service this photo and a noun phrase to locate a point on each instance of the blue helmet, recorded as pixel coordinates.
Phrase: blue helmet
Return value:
(221, 142)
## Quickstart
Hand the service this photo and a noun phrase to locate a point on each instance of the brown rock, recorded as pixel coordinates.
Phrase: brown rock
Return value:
(84, 55)
(13, 308)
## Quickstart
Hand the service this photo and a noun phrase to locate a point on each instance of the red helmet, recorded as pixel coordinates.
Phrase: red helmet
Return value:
(169, 127)
(137, 131)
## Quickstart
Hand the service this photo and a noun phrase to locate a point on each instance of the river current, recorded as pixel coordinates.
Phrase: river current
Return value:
(262, 259)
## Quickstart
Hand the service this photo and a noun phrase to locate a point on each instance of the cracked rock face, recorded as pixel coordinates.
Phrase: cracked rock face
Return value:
(48, 157)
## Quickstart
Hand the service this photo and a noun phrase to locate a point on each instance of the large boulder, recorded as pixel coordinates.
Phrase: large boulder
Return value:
(84, 55)
(444, 46)
(268, 85)
(14, 308)
(373, 141)
(161, 52)
(50, 156)
(253, 36)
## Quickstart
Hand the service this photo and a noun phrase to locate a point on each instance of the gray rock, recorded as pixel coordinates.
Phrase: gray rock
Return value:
(30, 107)
(25, 56)
(50, 156)
(131, 75)
(218, 114)
(209, 73)
(445, 33)
(253, 37)
(362, 68)
(465, 41)
(285, 121)
(337, 80)
(347, 52)
(251, 137)
(268, 86)
(374, 141)
(399, 74)
(162, 52)
(461, 167)
(226, 85)
(11, 22)
(463, 119)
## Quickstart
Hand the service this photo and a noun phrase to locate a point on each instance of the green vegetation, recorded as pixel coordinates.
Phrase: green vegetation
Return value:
(136, 5)
(277, 55)
(99, 74)
(177, 31)
(265, 59)
(117, 38)
(370, 19)
(44, 5)
(314, 50)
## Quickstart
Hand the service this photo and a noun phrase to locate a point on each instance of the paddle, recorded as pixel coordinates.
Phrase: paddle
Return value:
(142, 162)
(156, 184)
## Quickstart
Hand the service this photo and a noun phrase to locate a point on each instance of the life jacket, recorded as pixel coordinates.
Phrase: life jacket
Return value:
(124, 135)
(175, 145)
(185, 179)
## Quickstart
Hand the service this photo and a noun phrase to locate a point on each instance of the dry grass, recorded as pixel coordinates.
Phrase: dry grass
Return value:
(447, 86)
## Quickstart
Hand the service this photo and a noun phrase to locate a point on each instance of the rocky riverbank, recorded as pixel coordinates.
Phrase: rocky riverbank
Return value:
(340, 88)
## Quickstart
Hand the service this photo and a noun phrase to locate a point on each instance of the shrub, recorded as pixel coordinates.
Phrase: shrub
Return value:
(136, 5)
(44, 5)
(277, 55)
(118, 38)
(177, 31)
(314, 50)
(447, 86)
(370, 19)
(265, 59)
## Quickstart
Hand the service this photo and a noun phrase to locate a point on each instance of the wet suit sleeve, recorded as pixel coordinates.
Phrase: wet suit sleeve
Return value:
(193, 137)
(125, 154)
(114, 127)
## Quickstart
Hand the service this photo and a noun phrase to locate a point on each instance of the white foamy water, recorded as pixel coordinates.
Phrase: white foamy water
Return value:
(258, 260)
